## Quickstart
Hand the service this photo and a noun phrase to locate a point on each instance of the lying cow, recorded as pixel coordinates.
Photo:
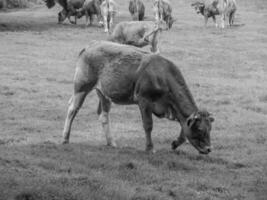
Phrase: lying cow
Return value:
(211, 8)
(108, 11)
(138, 33)
(72, 6)
(128, 75)
(90, 8)
(137, 10)
(163, 11)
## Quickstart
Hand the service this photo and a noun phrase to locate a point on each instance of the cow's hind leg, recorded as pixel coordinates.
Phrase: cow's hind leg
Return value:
(231, 18)
(215, 21)
(105, 19)
(146, 114)
(103, 112)
(83, 84)
(75, 103)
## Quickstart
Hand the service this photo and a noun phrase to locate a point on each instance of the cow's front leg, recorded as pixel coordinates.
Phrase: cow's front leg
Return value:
(103, 110)
(146, 114)
(180, 140)
(111, 21)
(155, 42)
(75, 19)
(105, 19)
(205, 21)
(214, 20)
(222, 21)
(87, 18)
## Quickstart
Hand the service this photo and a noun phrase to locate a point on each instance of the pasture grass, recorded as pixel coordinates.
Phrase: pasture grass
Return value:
(225, 70)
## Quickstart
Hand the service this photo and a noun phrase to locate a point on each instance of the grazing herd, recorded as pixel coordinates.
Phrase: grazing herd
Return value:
(122, 73)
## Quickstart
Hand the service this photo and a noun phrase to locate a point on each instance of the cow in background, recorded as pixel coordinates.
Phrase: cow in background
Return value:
(137, 10)
(72, 6)
(163, 11)
(211, 8)
(69, 8)
(90, 8)
(109, 9)
(139, 34)
(128, 75)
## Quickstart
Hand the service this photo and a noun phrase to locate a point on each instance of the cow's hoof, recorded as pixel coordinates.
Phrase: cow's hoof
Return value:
(151, 151)
(112, 144)
(66, 142)
(174, 145)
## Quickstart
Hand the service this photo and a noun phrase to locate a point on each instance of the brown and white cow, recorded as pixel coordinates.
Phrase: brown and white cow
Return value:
(211, 8)
(138, 33)
(109, 9)
(90, 8)
(128, 75)
(163, 11)
(137, 9)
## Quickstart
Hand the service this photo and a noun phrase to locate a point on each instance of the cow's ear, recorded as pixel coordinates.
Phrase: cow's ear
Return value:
(191, 120)
(211, 119)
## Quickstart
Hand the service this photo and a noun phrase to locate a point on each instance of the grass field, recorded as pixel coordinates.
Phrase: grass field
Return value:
(226, 71)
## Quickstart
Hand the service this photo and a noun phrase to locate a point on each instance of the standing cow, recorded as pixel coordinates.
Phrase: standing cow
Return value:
(108, 10)
(72, 6)
(138, 33)
(163, 11)
(127, 75)
(137, 10)
(90, 8)
(211, 8)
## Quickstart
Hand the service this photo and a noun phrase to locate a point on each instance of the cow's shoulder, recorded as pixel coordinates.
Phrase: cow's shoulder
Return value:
(153, 76)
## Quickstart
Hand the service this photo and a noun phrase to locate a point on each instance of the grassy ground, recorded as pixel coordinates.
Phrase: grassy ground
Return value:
(225, 70)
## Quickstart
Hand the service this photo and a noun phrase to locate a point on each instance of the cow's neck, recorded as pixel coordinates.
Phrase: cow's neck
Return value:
(182, 100)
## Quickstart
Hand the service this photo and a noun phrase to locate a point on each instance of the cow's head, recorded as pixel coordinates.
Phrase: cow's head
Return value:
(62, 15)
(199, 7)
(198, 131)
(80, 12)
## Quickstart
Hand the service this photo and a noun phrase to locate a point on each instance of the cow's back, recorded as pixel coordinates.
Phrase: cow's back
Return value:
(113, 66)
(131, 31)
(75, 4)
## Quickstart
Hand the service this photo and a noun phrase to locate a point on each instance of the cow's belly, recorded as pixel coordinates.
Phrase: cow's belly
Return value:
(120, 92)
(117, 80)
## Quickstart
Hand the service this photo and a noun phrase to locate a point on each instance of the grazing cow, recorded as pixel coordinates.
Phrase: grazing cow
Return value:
(62, 3)
(108, 11)
(137, 10)
(128, 75)
(163, 11)
(69, 8)
(90, 8)
(138, 33)
(211, 8)
(72, 6)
